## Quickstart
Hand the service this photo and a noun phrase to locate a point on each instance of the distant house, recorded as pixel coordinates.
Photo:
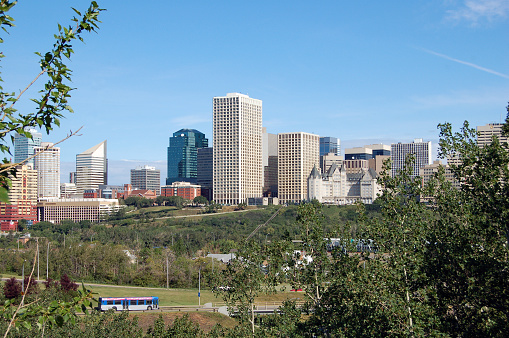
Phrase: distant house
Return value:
(225, 258)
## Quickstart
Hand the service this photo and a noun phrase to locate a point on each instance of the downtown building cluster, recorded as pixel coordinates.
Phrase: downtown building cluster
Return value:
(246, 164)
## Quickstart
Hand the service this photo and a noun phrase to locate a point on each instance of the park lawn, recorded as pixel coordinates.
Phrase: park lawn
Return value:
(181, 297)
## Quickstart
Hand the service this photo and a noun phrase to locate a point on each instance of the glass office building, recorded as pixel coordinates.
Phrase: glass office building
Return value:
(330, 145)
(183, 155)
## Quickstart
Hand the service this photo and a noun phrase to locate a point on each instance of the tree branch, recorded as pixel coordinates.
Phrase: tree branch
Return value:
(7, 166)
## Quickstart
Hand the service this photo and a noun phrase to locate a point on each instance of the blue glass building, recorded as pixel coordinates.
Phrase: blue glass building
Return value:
(183, 155)
(330, 145)
(24, 146)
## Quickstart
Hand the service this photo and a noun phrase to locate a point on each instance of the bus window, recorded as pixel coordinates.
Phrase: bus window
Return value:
(149, 302)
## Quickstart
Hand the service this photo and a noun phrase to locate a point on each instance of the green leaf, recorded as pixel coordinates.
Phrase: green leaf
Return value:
(59, 320)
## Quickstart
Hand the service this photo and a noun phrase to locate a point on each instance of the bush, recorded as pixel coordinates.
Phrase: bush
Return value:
(12, 288)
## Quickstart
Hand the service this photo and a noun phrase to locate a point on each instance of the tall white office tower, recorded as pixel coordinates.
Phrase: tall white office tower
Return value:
(47, 164)
(237, 130)
(298, 153)
(24, 146)
(91, 168)
(419, 149)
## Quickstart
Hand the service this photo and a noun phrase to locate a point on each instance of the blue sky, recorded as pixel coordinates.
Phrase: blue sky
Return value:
(364, 71)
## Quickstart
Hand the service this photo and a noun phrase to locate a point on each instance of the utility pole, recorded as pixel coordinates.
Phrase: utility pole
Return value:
(167, 280)
(37, 244)
(47, 263)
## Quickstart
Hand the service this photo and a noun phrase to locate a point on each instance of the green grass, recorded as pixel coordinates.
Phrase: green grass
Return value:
(167, 297)
(179, 297)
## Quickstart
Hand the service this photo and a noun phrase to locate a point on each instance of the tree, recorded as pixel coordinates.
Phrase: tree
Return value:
(53, 101)
(12, 288)
(439, 268)
(50, 107)
(200, 200)
(67, 284)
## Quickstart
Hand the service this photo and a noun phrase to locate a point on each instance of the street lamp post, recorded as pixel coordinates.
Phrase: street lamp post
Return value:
(199, 287)
(167, 280)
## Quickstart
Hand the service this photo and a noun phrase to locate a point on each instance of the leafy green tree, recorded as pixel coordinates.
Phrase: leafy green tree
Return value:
(200, 200)
(54, 94)
(183, 327)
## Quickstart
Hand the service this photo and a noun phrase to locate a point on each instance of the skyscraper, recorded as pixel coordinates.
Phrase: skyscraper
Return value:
(238, 167)
(91, 168)
(183, 155)
(47, 165)
(269, 160)
(146, 178)
(24, 146)
(419, 149)
(206, 171)
(330, 145)
(298, 154)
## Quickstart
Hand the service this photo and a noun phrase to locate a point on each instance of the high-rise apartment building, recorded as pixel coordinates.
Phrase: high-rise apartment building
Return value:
(147, 178)
(298, 154)
(330, 145)
(22, 199)
(91, 168)
(24, 146)
(238, 166)
(47, 164)
(486, 133)
(419, 149)
(183, 155)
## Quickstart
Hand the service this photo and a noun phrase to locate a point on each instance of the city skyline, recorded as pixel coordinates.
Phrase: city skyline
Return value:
(374, 73)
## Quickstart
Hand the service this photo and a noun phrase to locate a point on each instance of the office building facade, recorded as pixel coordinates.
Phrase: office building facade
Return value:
(183, 189)
(76, 209)
(269, 164)
(330, 145)
(486, 133)
(24, 146)
(146, 177)
(206, 171)
(183, 155)
(92, 168)
(419, 149)
(238, 166)
(47, 165)
(298, 154)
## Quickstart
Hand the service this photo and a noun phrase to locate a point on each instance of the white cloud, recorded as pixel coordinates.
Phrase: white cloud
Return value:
(478, 10)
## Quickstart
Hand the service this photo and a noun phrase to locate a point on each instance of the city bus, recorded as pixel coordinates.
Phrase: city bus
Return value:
(128, 303)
